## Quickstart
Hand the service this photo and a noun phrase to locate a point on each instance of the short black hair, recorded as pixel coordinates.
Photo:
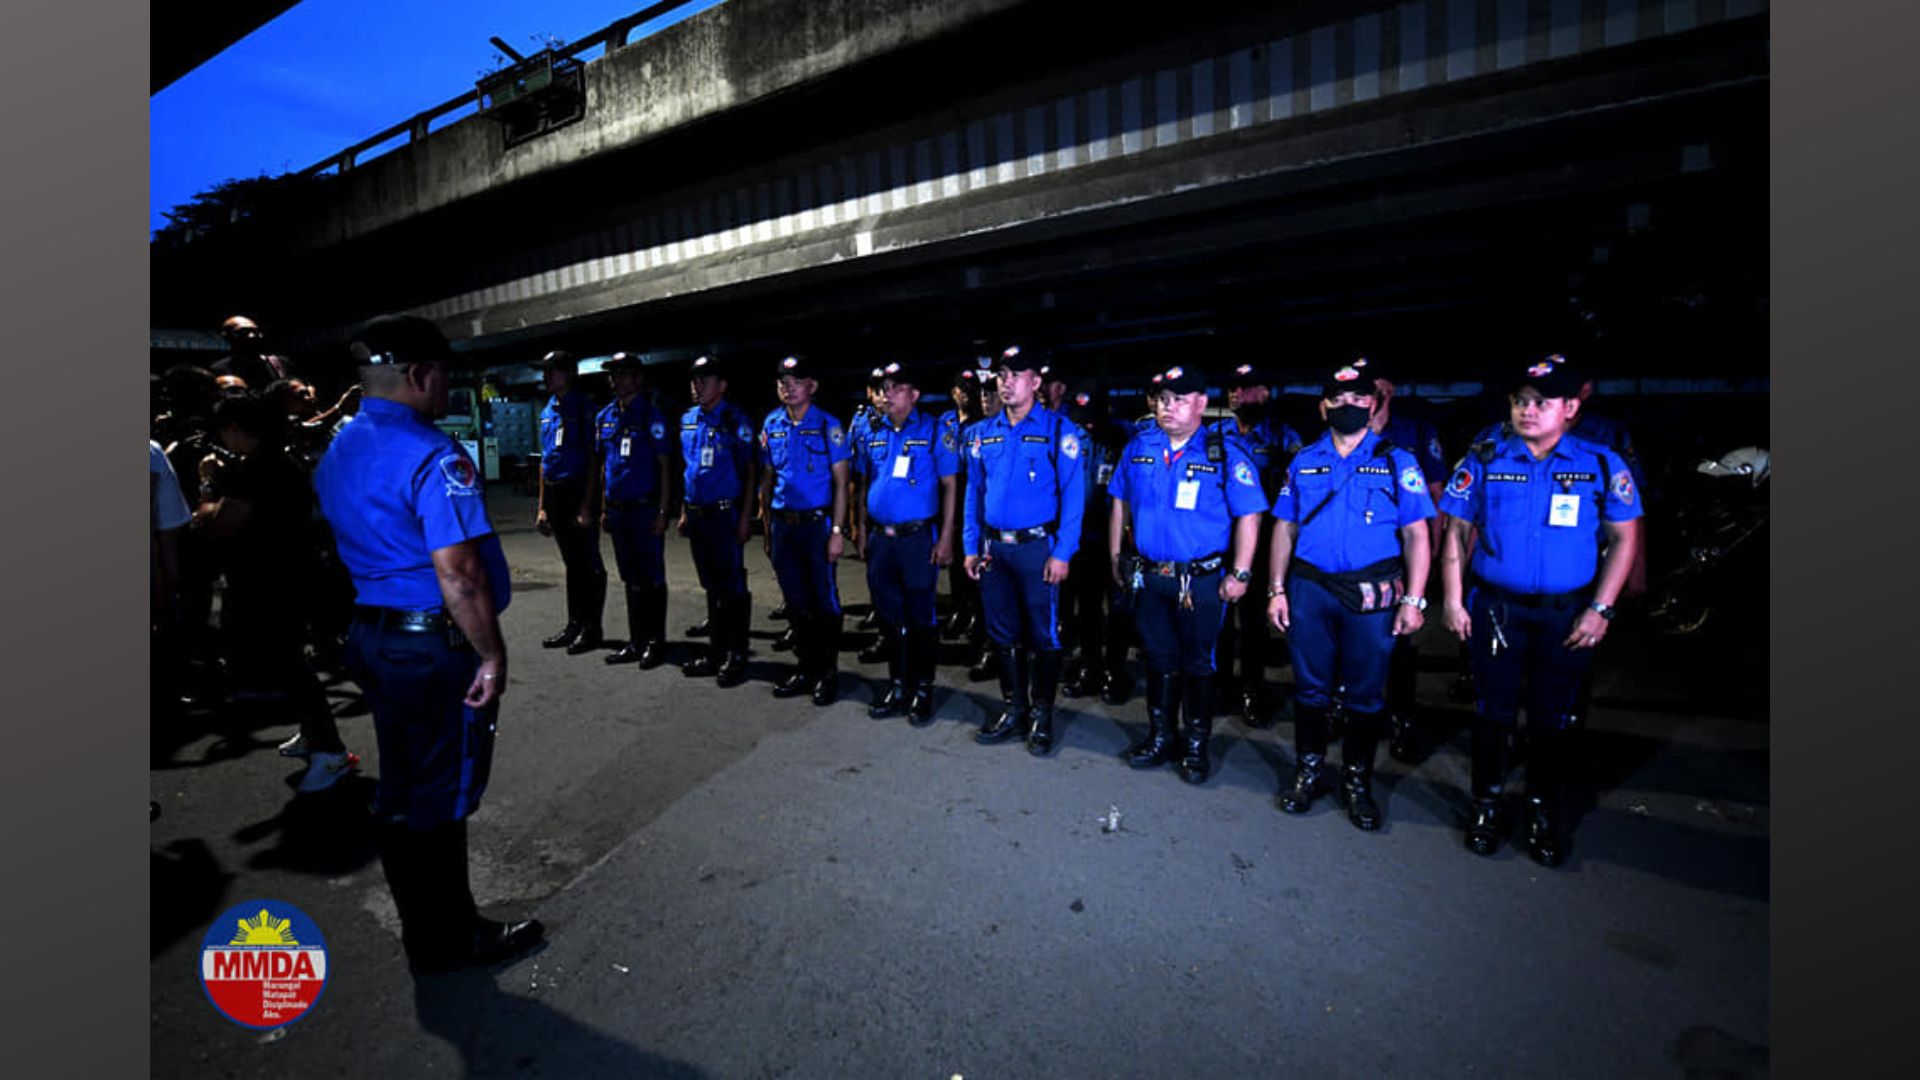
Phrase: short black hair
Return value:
(255, 414)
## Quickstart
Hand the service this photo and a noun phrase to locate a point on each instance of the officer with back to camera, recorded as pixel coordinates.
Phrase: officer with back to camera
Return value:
(1537, 597)
(635, 493)
(567, 467)
(905, 475)
(1348, 576)
(1192, 497)
(718, 448)
(803, 488)
(1025, 496)
(1097, 609)
(405, 504)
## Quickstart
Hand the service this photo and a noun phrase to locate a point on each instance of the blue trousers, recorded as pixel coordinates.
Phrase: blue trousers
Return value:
(436, 754)
(1333, 648)
(903, 578)
(640, 555)
(1021, 608)
(807, 579)
(717, 555)
(1177, 640)
(1533, 658)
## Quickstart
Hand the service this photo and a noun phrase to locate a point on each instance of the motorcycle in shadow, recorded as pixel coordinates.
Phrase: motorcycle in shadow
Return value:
(1720, 527)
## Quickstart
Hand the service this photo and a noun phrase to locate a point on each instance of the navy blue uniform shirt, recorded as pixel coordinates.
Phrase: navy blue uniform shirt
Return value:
(566, 438)
(903, 468)
(1364, 499)
(1526, 546)
(1022, 476)
(717, 445)
(1417, 437)
(396, 489)
(802, 454)
(630, 441)
(1183, 505)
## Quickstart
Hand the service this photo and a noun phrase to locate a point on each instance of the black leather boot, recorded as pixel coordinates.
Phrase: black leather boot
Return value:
(703, 628)
(883, 646)
(1546, 769)
(704, 665)
(1491, 824)
(1117, 685)
(1079, 679)
(636, 628)
(1163, 715)
(989, 661)
(824, 664)
(460, 937)
(593, 606)
(1046, 687)
(1404, 745)
(653, 627)
(800, 679)
(568, 634)
(786, 641)
(1197, 693)
(1357, 749)
(1253, 703)
(1310, 759)
(779, 613)
(736, 613)
(917, 660)
(1013, 700)
(893, 700)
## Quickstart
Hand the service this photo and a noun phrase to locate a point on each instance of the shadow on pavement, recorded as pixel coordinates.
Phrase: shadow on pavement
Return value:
(328, 833)
(189, 887)
(499, 1034)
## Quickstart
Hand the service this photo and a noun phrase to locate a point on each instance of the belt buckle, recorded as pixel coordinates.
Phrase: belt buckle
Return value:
(889, 530)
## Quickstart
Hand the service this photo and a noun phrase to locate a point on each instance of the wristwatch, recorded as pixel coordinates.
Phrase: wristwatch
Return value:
(1241, 576)
(838, 531)
(1605, 611)
(1418, 603)
(1278, 588)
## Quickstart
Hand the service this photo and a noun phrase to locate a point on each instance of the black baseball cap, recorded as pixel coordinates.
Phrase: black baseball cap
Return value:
(1552, 376)
(558, 358)
(703, 366)
(1015, 358)
(1179, 379)
(1247, 375)
(795, 365)
(622, 361)
(399, 339)
(893, 372)
(1349, 379)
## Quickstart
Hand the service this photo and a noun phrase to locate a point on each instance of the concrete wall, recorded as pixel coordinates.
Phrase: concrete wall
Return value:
(731, 55)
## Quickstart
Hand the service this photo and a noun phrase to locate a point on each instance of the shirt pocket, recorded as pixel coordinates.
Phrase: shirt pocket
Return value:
(1509, 503)
(1373, 500)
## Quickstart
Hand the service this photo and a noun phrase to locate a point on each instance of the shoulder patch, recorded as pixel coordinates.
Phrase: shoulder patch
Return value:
(1243, 473)
(1623, 486)
(835, 435)
(461, 477)
(947, 439)
(1412, 480)
(658, 430)
(746, 433)
(1070, 445)
(1461, 484)
(1433, 449)
(975, 450)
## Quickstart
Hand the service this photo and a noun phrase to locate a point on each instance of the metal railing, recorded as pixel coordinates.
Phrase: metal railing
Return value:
(614, 36)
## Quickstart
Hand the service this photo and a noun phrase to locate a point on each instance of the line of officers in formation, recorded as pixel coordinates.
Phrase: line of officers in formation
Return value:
(1042, 500)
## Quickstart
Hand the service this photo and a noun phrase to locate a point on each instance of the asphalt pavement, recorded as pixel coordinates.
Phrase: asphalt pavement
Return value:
(736, 886)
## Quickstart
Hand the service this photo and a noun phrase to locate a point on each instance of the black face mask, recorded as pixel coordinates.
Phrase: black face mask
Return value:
(1347, 419)
(1251, 411)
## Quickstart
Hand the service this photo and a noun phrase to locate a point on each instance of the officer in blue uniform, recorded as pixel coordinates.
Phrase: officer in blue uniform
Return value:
(964, 592)
(865, 419)
(718, 447)
(1348, 575)
(430, 581)
(1531, 604)
(1096, 608)
(804, 462)
(905, 473)
(1272, 442)
(1418, 437)
(986, 662)
(567, 468)
(1026, 479)
(634, 489)
(1192, 496)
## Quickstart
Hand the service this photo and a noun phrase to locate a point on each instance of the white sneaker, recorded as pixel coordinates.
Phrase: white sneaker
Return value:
(296, 746)
(327, 770)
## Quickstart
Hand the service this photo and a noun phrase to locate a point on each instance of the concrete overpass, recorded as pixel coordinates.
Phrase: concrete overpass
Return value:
(861, 176)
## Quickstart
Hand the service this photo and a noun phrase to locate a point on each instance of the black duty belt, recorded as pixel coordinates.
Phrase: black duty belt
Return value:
(402, 621)
(720, 507)
(798, 517)
(1191, 568)
(1560, 601)
(905, 528)
(1020, 536)
(631, 504)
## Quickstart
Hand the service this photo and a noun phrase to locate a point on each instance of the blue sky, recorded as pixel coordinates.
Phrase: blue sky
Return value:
(328, 73)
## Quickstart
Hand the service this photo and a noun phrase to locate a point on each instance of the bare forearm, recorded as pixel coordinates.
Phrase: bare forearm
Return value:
(1453, 562)
(1246, 537)
(1623, 544)
(469, 599)
(1419, 555)
(1282, 555)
